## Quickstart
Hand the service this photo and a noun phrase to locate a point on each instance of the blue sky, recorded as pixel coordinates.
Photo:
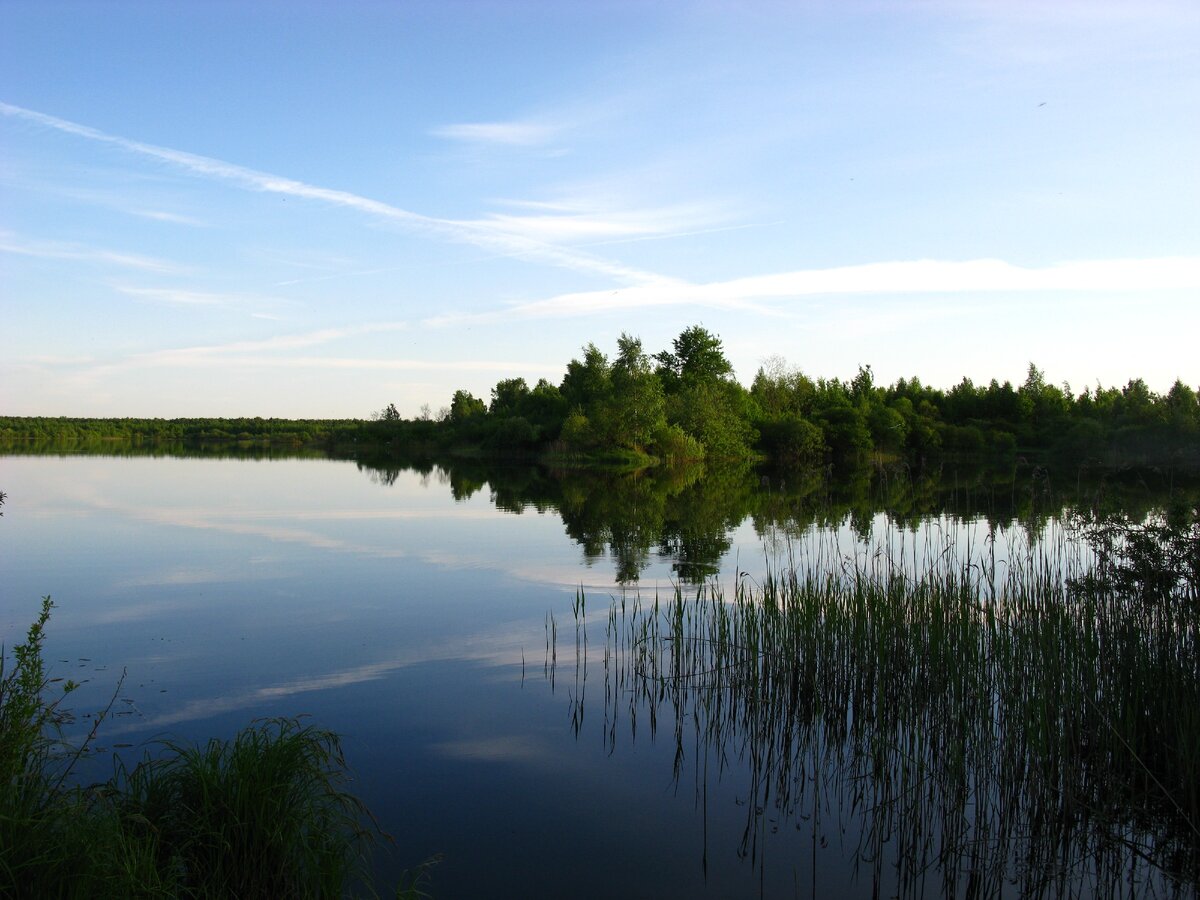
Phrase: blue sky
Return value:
(311, 210)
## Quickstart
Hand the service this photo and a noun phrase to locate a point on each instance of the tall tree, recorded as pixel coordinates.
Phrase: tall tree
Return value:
(587, 380)
(635, 408)
(698, 358)
(465, 405)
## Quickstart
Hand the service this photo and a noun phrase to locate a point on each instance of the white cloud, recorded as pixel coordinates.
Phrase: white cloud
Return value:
(908, 277)
(184, 297)
(572, 222)
(521, 134)
(54, 250)
(279, 342)
(511, 245)
(1070, 32)
(159, 215)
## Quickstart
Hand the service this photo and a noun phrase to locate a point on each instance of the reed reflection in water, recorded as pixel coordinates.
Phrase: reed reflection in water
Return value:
(952, 730)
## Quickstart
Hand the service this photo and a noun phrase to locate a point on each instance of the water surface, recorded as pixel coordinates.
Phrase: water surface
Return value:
(410, 611)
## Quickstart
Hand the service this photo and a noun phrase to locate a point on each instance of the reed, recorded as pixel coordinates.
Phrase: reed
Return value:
(262, 815)
(977, 724)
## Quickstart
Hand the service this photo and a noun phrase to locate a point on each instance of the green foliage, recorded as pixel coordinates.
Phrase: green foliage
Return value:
(782, 392)
(29, 721)
(618, 408)
(464, 405)
(792, 440)
(261, 815)
(714, 414)
(846, 432)
(675, 446)
(587, 381)
(698, 358)
(508, 397)
(264, 815)
(512, 434)
(635, 409)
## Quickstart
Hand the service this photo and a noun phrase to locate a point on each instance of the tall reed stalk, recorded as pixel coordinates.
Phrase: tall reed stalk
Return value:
(980, 725)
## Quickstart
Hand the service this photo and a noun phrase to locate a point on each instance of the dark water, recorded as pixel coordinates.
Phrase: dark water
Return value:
(410, 611)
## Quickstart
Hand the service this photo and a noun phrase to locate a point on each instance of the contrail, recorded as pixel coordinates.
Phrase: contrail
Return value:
(478, 235)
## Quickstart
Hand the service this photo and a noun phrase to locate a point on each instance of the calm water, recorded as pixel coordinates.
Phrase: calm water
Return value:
(409, 613)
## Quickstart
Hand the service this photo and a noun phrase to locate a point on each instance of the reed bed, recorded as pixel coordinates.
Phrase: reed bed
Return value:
(987, 720)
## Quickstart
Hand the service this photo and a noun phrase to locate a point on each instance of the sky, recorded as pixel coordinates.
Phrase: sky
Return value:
(313, 210)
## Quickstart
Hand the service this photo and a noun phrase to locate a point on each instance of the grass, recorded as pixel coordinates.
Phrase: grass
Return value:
(265, 814)
(977, 725)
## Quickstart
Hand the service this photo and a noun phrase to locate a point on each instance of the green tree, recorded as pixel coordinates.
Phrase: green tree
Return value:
(698, 358)
(714, 414)
(1183, 409)
(546, 408)
(780, 391)
(586, 380)
(508, 396)
(846, 432)
(635, 407)
(465, 405)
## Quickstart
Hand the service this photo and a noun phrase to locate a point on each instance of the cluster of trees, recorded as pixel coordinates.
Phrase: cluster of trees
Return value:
(50, 431)
(678, 405)
(684, 404)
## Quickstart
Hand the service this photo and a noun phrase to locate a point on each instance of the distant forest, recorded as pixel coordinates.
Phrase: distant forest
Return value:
(683, 404)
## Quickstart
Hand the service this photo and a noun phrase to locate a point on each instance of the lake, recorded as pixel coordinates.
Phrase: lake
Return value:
(430, 616)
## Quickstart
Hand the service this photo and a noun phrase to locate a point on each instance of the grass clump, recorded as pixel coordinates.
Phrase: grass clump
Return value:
(265, 814)
(261, 815)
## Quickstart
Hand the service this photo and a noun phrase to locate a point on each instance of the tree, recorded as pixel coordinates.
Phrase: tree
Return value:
(698, 359)
(1183, 409)
(635, 407)
(862, 388)
(545, 408)
(465, 405)
(713, 413)
(507, 396)
(782, 391)
(846, 432)
(586, 381)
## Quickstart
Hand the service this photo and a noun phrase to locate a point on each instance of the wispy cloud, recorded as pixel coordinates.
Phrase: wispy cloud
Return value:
(55, 250)
(274, 353)
(118, 200)
(522, 134)
(908, 277)
(566, 222)
(1068, 32)
(495, 240)
(159, 215)
(169, 358)
(186, 297)
(201, 353)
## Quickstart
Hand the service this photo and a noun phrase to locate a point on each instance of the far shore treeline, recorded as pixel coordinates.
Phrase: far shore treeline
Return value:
(684, 404)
